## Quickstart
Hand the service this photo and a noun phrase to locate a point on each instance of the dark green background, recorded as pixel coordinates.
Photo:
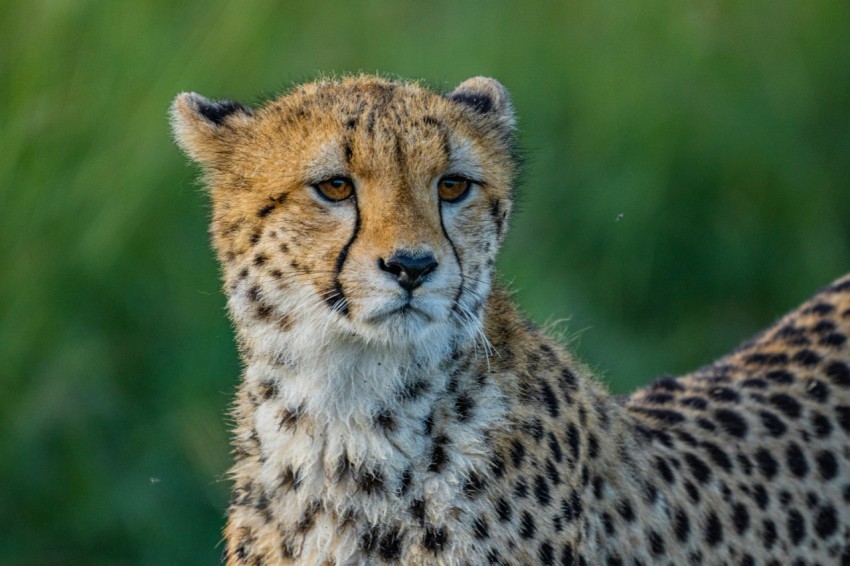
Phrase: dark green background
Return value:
(720, 131)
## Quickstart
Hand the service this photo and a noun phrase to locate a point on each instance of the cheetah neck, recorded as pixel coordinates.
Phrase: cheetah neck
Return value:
(333, 429)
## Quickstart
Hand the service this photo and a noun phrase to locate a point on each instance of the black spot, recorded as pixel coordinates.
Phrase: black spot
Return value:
(754, 383)
(826, 521)
(740, 518)
(417, 510)
(762, 358)
(786, 404)
(549, 399)
(517, 453)
(724, 394)
(497, 466)
(385, 420)
(695, 402)
(289, 417)
(217, 110)
(827, 464)
(822, 426)
(592, 446)
(308, 518)
(796, 527)
(541, 491)
(574, 441)
(480, 528)
(439, 457)
(535, 428)
(766, 463)
(839, 373)
(806, 357)
(843, 414)
(389, 546)
(745, 464)
(796, 460)
(568, 556)
(527, 527)
(567, 381)
(265, 211)
(658, 398)
(817, 390)
(667, 384)
(503, 510)
(681, 525)
(406, 478)
(626, 511)
(713, 530)
(435, 539)
(664, 470)
(496, 213)
(732, 422)
(718, 456)
(477, 101)
(656, 543)
(370, 480)
(820, 309)
(664, 415)
(769, 533)
(780, 376)
(520, 488)
(473, 486)
(833, 340)
(699, 468)
(413, 390)
(464, 406)
(772, 423)
(546, 554)
(555, 447)
(706, 424)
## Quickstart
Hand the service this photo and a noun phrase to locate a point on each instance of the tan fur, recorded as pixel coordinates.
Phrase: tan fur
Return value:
(432, 424)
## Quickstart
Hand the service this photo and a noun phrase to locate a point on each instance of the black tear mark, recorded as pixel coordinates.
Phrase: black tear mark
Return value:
(456, 303)
(338, 296)
(217, 110)
(478, 102)
(498, 217)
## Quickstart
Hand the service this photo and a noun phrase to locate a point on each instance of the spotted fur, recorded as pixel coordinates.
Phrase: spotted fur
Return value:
(381, 421)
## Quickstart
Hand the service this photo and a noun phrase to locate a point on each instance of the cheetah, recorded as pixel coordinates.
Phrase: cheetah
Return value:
(396, 408)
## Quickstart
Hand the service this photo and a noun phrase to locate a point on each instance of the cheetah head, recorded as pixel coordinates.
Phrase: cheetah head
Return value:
(364, 207)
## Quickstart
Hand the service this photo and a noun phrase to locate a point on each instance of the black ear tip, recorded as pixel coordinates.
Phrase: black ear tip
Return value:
(478, 101)
(217, 110)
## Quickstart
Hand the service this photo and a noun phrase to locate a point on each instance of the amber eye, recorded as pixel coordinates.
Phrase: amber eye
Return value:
(452, 189)
(335, 189)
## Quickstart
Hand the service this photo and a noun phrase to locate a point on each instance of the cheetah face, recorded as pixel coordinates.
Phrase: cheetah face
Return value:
(366, 207)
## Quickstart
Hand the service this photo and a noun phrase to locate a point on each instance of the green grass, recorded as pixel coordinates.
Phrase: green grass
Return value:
(720, 131)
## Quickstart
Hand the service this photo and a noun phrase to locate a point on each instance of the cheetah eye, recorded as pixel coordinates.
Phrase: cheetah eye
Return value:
(335, 189)
(453, 189)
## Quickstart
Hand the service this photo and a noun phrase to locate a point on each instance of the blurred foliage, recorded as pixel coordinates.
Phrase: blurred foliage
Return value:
(717, 132)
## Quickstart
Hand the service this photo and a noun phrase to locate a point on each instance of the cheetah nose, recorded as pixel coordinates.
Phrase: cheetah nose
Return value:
(409, 270)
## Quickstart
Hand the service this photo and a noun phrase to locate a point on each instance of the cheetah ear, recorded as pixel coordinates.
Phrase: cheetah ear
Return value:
(203, 127)
(486, 96)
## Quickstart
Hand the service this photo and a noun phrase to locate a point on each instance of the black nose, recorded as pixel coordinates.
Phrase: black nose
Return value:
(410, 270)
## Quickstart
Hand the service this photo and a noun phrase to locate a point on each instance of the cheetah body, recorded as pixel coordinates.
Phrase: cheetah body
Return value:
(384, 421)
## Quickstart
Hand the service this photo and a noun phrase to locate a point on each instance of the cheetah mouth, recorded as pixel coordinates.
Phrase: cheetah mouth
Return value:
(404, 311)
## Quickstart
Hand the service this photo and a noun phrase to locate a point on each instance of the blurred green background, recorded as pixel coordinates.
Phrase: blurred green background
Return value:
(717, 132)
